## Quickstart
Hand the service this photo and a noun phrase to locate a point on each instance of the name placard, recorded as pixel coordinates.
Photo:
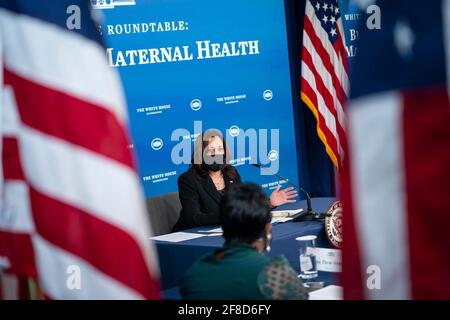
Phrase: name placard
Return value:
(328, 260)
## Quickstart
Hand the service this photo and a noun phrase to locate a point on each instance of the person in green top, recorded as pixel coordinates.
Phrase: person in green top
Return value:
(239, 270)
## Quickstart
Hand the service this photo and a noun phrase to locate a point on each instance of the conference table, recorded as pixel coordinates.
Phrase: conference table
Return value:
(175, 258)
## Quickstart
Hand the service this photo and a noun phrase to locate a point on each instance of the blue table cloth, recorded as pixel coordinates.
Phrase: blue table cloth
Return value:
(176, 258)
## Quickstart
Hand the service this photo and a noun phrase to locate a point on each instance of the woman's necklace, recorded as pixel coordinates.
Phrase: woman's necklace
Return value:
(218, 180)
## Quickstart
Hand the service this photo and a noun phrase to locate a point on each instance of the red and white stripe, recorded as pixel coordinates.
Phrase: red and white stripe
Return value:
(375, 143)
(325, 82)
(396, 192)
(82, 203)
(16, 223)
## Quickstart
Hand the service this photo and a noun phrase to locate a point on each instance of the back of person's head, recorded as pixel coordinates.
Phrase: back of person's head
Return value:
(244, 213)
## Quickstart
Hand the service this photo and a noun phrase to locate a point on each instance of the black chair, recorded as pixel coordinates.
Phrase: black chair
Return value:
(164, 212)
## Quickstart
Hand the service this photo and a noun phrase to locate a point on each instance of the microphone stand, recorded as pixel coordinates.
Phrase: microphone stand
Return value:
(310, 214)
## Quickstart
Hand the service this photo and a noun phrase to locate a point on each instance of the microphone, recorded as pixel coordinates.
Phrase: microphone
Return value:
(310, 214)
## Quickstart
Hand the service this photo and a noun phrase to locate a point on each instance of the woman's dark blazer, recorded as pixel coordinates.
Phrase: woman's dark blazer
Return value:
(200, 200)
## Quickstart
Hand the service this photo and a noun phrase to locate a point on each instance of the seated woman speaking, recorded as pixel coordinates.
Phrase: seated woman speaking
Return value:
(209, 176)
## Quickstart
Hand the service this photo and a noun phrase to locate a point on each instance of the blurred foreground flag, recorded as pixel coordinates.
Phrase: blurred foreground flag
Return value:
(396, 188)
(71, 208)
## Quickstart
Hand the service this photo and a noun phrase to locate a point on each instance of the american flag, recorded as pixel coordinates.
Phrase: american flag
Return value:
(325, 81)
(70, 200)
(396, 187)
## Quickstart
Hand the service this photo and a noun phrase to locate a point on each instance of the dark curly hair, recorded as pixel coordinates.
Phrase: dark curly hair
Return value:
(244, 213)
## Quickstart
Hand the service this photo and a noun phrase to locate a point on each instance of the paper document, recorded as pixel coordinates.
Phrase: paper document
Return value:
(215, 230)
(177, 237)
(285, 213)
(280, 220)
(327, 293)
(214, 234)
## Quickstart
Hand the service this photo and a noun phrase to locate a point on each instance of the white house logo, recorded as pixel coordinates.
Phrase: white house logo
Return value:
(268, 95)
(157, 144)
(273, 155)
(234, 131)
(196, 104)
(111, 4)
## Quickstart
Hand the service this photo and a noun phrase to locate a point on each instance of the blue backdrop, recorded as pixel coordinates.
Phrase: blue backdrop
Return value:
(352, 15)
(245, 91)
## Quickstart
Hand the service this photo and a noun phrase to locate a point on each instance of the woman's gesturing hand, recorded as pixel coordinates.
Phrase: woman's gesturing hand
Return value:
(279, 197)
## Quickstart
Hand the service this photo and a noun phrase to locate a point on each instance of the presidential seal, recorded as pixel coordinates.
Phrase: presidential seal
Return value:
(333, 224)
